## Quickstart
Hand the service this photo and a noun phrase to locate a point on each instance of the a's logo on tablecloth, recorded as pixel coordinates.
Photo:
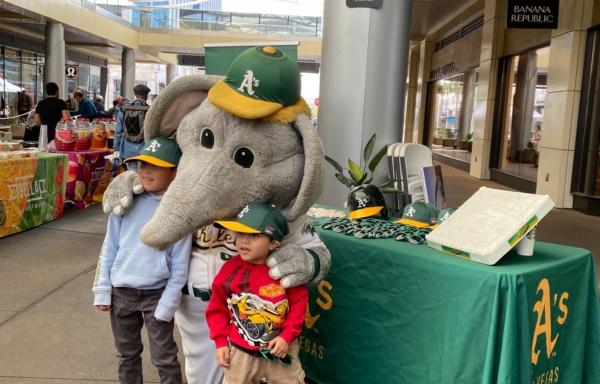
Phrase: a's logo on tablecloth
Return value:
(543, 326)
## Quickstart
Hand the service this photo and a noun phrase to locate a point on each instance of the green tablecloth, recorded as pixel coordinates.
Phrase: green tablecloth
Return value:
(393, 312)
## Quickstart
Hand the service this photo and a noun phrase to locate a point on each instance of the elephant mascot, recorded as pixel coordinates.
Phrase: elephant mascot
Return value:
(245, 138)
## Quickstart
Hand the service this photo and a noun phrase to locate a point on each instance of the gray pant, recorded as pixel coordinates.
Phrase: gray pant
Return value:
(131, 308)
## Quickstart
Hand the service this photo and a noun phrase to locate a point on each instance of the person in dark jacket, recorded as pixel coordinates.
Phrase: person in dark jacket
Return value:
(98, 103)
(86, 107)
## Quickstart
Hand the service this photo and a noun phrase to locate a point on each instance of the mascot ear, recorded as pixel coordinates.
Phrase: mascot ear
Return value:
(314, 159)
(174, 102)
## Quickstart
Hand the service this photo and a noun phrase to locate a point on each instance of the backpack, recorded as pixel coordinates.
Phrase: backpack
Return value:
(133, 122)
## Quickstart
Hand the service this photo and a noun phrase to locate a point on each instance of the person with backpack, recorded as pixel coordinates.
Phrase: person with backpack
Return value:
(129, 132)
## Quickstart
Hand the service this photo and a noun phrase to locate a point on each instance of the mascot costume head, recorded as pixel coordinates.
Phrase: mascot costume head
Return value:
(245, 138)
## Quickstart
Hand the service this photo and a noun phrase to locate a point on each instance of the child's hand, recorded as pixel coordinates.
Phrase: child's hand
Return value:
(280, 347)
(223, 357)
(104, 308)
(159, 320)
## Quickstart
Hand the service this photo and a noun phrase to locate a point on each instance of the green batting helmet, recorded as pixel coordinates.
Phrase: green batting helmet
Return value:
(366, 200)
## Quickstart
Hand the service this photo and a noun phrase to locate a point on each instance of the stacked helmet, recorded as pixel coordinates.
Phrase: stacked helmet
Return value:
(366, 200)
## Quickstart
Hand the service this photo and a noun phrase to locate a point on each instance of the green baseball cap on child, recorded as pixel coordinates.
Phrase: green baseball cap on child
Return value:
(420, 215)
(259, 218)
(161, 152)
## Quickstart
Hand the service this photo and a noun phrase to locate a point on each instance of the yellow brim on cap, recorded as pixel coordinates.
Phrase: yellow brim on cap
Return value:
(365, 212)
(237, 227)
(151, 160)
(223, 97)
(417, 224)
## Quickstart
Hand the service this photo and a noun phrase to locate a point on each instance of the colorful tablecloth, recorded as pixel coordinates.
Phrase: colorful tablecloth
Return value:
(393, 312)
(87, 177)
(32, 191)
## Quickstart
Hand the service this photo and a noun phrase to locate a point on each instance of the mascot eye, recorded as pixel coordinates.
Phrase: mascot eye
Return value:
(208, 138)
(244, 157)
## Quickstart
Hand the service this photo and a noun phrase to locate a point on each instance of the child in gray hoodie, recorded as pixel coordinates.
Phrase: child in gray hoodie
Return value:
(137, 284)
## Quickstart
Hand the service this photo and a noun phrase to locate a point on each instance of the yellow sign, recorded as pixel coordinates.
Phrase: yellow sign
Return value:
(325, 302)
(544, 312)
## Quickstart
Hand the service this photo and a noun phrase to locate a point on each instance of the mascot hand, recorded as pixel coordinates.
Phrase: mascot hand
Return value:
(295, 265)
(119, 194)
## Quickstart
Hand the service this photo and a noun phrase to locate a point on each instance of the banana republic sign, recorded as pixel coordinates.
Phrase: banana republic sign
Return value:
(532, 14)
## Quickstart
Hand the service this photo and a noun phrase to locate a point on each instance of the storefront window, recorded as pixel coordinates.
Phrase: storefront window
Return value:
(83, 78)
(453, 119)
(524, 113)
(94, 82)
(12, 84)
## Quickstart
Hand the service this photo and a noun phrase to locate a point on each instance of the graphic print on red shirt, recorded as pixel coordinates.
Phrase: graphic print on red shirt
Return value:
(251, 308)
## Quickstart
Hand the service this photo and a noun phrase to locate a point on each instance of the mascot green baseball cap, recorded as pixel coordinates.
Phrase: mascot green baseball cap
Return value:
(259, 218)
(260, 82)
(161, 152)
(420, 215)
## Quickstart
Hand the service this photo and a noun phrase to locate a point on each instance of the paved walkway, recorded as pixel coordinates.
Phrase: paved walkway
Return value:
(51, 334)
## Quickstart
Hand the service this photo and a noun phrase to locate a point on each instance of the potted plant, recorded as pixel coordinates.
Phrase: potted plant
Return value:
(469, 138)
(439, 136)
(357, 176)
(528, 153)
(463, 144)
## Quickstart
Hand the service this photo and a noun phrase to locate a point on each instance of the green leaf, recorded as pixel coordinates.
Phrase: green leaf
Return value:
(386, 184)
(375, 162)
(335, 164)
(352, 177)
(346, 181)
(391, 190)
(355, 171)
(369, 148)
(362, 179)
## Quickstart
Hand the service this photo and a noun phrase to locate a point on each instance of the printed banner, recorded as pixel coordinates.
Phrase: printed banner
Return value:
(32, 191)
(87, 178)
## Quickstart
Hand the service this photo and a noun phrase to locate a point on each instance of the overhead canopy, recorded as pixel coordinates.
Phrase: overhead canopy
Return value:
(220, 56)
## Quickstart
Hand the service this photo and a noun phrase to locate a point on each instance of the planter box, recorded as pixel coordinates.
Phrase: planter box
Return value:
(526, 156)
(462, 145)
(438, 140)
(470, 146)
(449, 143)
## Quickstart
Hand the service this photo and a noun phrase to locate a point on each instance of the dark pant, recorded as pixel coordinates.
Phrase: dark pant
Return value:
(131, 308)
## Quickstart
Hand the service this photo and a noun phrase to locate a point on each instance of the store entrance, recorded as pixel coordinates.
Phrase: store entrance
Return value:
(452, 118)
(518, 132)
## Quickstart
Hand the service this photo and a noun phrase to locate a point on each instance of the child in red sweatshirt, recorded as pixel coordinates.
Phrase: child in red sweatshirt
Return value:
(253, 320)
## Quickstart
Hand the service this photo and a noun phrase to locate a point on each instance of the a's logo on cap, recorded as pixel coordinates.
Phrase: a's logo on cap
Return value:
(362, 203)
(411, 212)
(249, 82)
(270, 230)
(244, 211)
(153, 146)
(446, 215)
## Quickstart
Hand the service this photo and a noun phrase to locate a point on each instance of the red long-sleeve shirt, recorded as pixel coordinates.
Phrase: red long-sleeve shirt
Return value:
(251, 308)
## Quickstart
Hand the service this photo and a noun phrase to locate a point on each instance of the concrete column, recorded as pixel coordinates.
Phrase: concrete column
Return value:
(411, 94)
(492, 44)
(171, 73)
(54, 69)
(561, 112)
(128, 73)
(104, 85)
(426, 52)
(361, 94)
